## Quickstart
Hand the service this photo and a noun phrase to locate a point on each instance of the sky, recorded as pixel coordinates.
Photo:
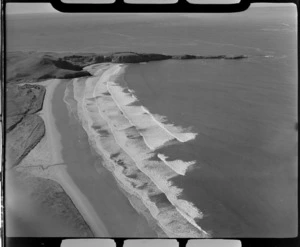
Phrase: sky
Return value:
(30, 8)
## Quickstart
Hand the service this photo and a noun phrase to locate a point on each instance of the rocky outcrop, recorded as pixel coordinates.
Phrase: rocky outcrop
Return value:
(184, 57)
(133, 57)
(22, 101)
(24, 128)
(85, 60)
(24, 137)
(62, 64)
(137, 58)
(118, 57)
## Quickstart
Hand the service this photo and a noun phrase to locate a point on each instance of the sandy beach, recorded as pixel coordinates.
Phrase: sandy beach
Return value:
(46, 161)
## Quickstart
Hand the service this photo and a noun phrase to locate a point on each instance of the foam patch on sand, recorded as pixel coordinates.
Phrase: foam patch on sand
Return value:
(126, 136)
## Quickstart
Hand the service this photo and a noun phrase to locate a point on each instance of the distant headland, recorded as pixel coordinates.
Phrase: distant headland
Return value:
(37, 66)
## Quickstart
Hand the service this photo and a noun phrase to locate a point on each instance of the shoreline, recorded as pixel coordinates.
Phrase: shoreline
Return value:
(98, 90)
(45, 160)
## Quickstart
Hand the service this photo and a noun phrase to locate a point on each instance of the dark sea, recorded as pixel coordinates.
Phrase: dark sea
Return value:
(244, 112)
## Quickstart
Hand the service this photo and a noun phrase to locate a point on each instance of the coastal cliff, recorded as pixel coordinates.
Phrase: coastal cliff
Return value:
(22, 101)
(23, 127)
(24, 137)
(31, 67)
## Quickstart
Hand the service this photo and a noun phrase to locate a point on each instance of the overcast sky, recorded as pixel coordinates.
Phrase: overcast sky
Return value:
(25, 8)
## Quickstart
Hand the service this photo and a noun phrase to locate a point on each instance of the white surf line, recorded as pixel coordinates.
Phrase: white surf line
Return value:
(144, 201)
(167, 231)
(152, 179)
(148, 205)
(121, 110)
(145, 175)
(181, 166)
(187, 217)
(132, 124)
(158, 123)
(107, 156)
(139, 196)
(160, 156)
(161, 125)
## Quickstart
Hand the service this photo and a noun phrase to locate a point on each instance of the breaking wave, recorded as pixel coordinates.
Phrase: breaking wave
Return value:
(127, 135)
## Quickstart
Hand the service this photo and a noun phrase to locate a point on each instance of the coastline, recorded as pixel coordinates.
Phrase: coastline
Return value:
(103, 104)
(46, 161)
(241, 169)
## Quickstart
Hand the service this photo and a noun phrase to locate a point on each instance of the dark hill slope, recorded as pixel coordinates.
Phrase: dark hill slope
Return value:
(31, 67)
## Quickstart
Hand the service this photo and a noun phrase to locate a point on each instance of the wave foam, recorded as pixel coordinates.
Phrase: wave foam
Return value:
(154, 132)
(126, 136)
(177, 165)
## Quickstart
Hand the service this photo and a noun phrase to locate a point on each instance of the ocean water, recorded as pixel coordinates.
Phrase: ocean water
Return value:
(162, 33)
(200, 148)
(244, 179)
